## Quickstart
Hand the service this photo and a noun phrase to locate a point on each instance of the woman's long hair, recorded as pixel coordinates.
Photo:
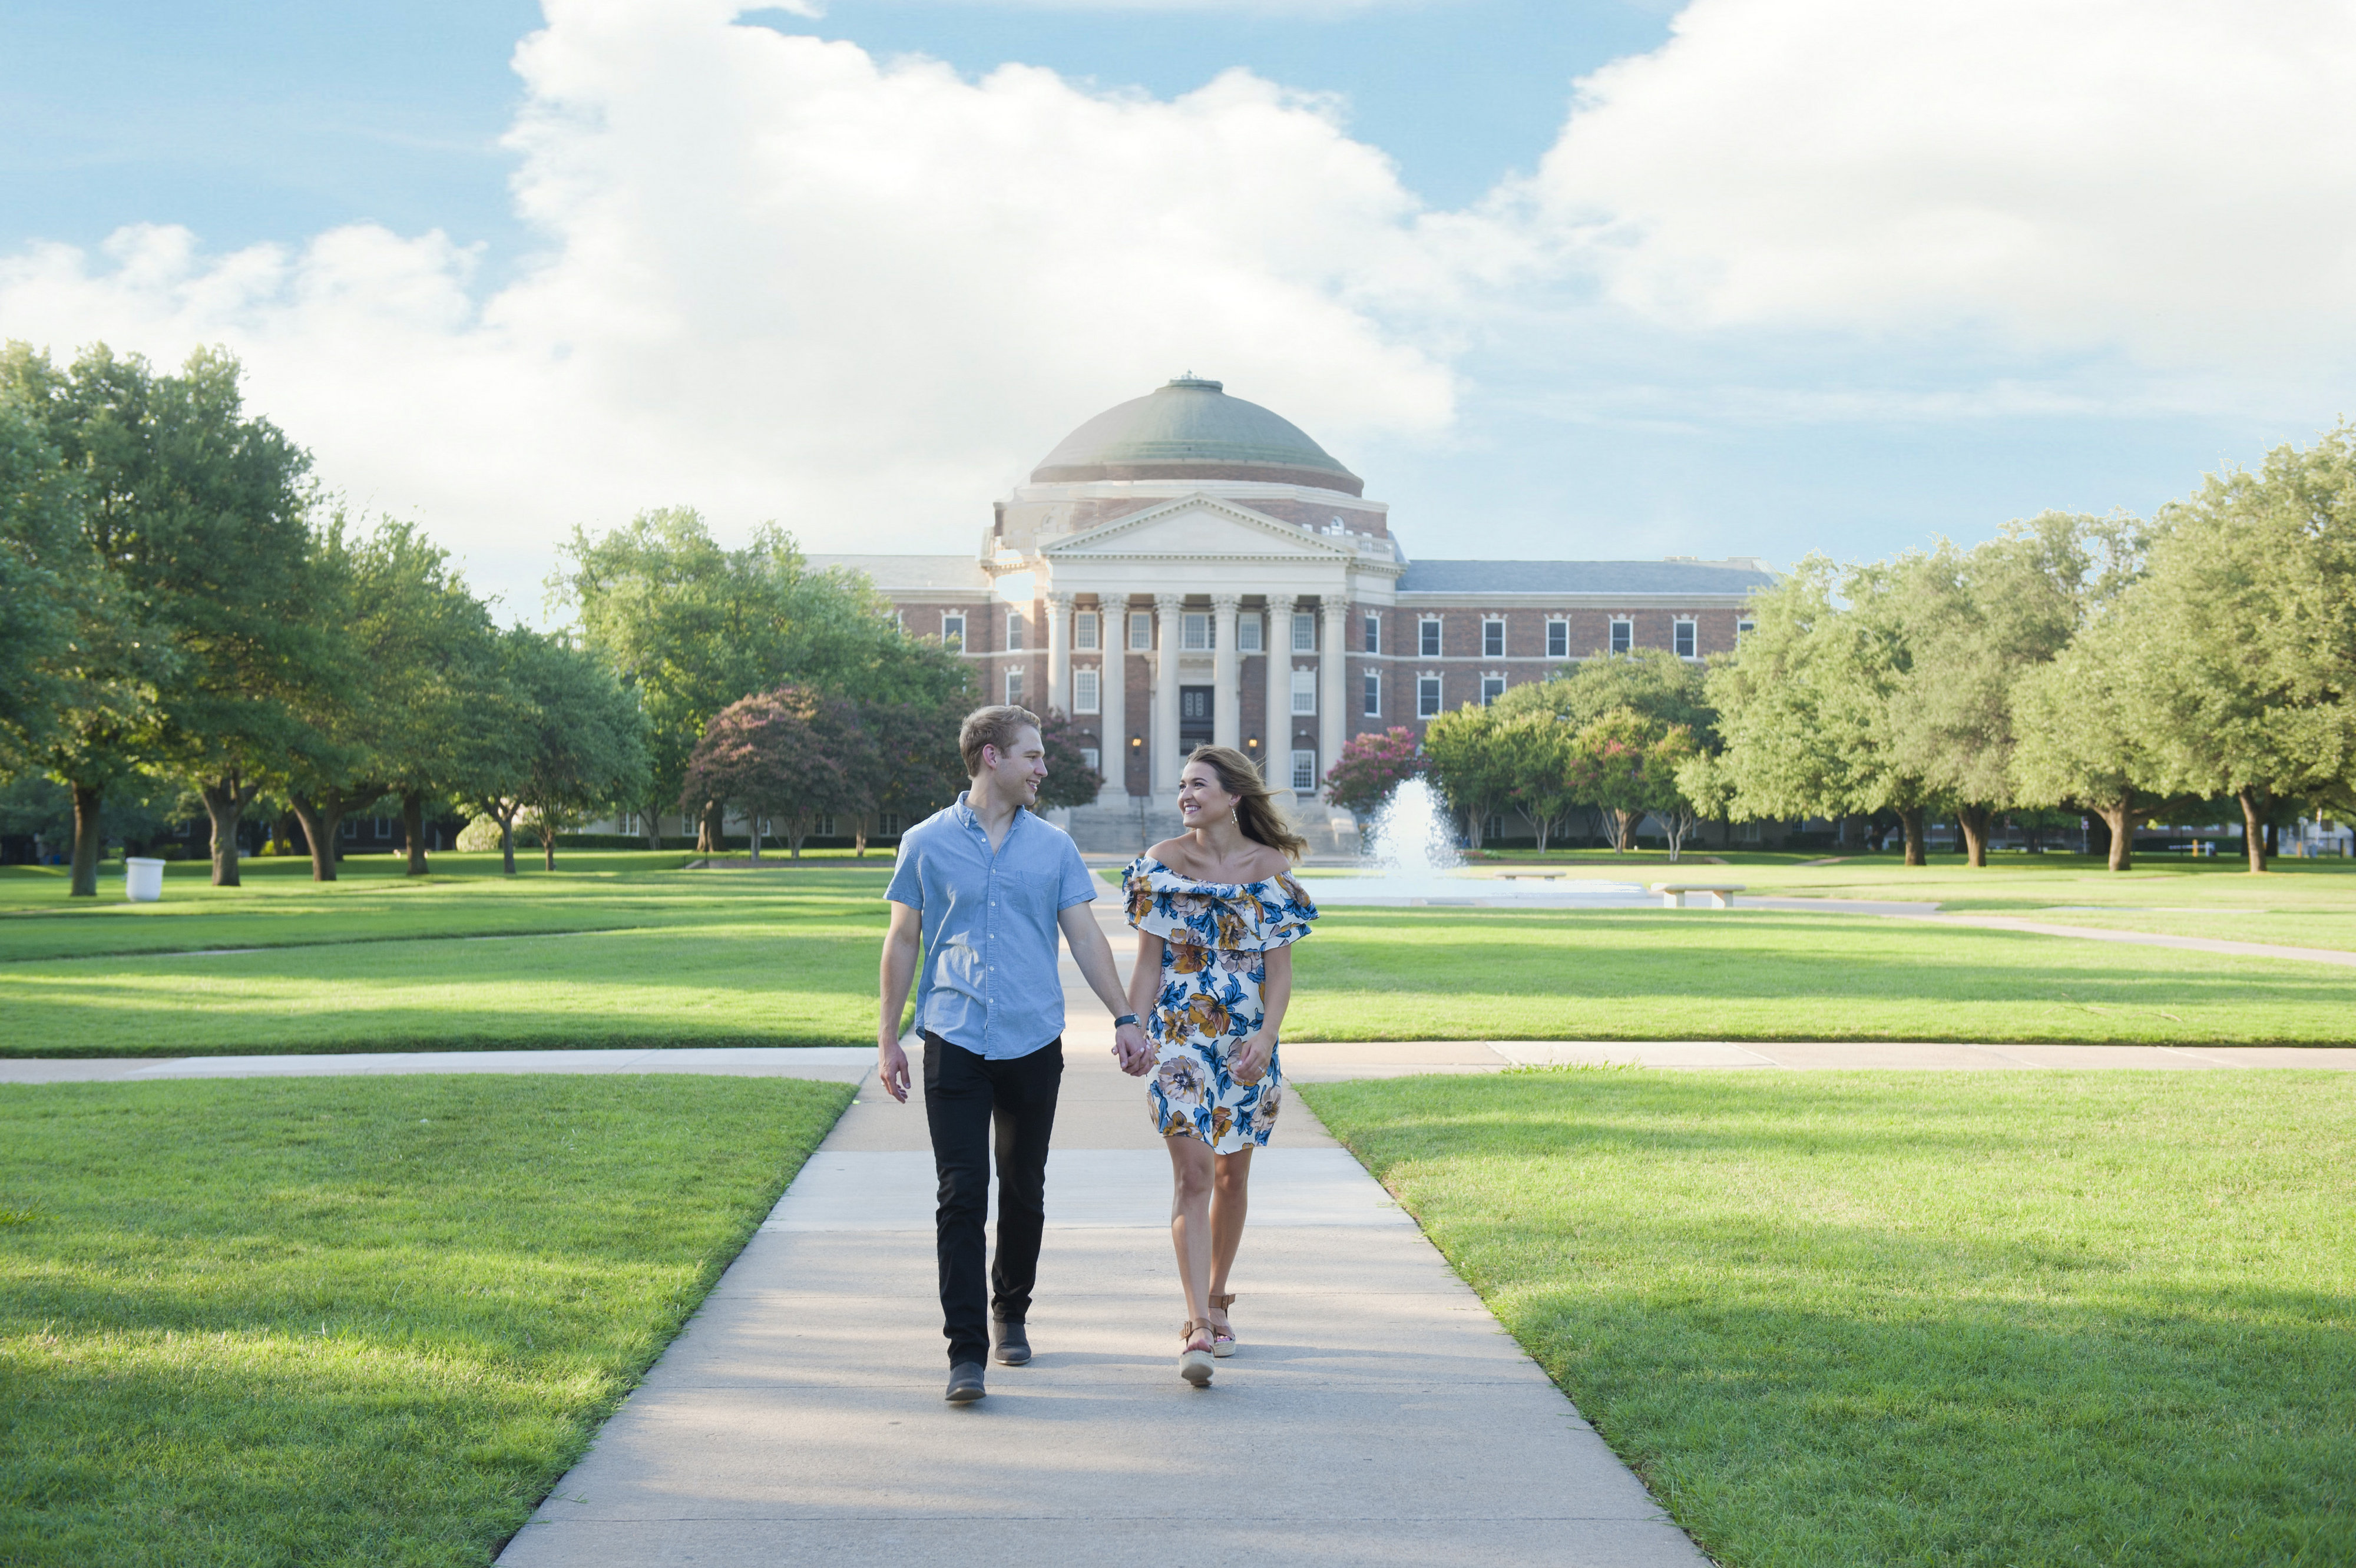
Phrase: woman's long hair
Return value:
(1257, 814)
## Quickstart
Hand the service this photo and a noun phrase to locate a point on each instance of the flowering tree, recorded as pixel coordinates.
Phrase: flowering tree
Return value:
(789, 754)
(1627, 764)
(1371, 766)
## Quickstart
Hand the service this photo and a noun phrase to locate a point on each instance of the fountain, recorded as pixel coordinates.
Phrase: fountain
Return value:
(1408, 855)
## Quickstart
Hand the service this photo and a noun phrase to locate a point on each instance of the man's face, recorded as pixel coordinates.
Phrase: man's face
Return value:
(1014, 773)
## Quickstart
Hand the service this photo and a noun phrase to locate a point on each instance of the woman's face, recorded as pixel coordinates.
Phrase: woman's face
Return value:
(1201, 801)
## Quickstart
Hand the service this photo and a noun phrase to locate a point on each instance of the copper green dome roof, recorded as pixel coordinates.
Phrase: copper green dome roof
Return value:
(1192, 429)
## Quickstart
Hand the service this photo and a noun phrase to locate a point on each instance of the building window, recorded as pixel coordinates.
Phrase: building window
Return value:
(1304, 632)
(887, 826)
(1247, 634)
(1084, 631)
(384, 827)
(1141, 631)
(352, 828)
(1493, 638)
(1684, 635)
(1304, 690)
(1304, 770)
(1743, 627)
(1374, 695)
(1091, 759)
(1624, 636)
(1014, 628)
(1374, 633)
(1492, 688)
(1084, 692)
(1014, 688)
(1193, 632)
(824, 826)
(1427, 632)
(1427, 697)
(953, 630)
(1557, 640)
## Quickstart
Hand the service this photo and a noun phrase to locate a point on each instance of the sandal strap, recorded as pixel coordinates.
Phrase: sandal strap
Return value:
(1224, 1302)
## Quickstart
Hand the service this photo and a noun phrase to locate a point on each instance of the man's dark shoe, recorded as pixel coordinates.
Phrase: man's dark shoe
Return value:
(1014, 1343)
(965, 1383)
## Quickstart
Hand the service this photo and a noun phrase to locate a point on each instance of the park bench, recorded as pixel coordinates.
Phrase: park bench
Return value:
(1714, 895)
(1529, 876)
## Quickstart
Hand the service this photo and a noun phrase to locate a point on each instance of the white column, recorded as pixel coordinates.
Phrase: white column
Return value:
(1226, 687)
(1333, 666)
(1278, 742)
(1112, 691)
(1166, 760)
(1059, 652)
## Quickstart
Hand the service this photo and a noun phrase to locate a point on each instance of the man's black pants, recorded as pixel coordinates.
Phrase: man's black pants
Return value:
(975, 1106)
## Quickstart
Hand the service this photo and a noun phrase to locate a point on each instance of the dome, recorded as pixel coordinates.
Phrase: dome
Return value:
(1192, 429)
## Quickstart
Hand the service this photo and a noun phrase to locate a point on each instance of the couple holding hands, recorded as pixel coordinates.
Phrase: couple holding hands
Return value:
(979, 894)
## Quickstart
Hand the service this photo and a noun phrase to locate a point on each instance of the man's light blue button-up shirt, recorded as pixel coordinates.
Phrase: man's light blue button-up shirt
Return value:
(988, 980)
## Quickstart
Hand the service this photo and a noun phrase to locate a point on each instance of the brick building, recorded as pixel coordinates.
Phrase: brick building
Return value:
(1189, 567)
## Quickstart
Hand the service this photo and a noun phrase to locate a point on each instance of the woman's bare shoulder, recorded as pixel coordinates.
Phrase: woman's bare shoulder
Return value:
(1176, 853)
(1269, 862)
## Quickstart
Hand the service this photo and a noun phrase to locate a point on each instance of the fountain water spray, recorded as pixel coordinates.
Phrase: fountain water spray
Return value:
(1410, 856)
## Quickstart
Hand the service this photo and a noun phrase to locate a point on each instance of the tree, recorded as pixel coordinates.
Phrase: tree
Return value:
(691, 627)
(1070, 780)
(1371, 766)
(2079, 738)
(789, 754)
(1626, 763)
(46, 576)
(1542, 722)
(2243, 635)
(1470, 763)
(1972, 624)
(910, 767)
(584, 745)
(1534, 752)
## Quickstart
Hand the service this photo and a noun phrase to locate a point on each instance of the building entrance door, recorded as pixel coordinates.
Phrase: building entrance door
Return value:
(1193, 717)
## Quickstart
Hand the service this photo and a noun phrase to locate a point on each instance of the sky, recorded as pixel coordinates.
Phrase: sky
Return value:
(1588, 279)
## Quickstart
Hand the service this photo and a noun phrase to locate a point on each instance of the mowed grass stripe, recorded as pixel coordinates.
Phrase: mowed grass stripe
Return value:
(1377, 974)
(1971, 1320)
(807, 981)
(319, 1321)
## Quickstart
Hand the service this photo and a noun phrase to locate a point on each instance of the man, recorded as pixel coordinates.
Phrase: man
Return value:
(985, 883)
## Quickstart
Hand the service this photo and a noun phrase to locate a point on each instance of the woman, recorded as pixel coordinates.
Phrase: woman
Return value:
(1215, 918)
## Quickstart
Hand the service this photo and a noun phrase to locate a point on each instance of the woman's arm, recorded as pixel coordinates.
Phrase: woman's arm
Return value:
(1275, 995)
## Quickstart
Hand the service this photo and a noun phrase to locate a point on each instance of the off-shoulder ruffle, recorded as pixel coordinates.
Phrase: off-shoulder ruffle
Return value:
(1236, 917)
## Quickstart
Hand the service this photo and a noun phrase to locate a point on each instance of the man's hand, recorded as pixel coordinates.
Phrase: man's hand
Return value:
(1134, 1052)
(1251, 1060)
(892, 1068)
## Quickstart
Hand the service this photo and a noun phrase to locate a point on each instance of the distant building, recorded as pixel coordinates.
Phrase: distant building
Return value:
(1189, 567)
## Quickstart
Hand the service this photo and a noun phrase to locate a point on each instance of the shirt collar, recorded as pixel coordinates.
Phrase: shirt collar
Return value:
(972, 819)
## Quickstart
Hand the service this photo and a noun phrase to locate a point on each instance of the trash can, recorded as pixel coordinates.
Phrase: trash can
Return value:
(143, 879)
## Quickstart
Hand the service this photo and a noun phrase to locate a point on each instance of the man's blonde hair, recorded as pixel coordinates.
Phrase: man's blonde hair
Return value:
(997, 725)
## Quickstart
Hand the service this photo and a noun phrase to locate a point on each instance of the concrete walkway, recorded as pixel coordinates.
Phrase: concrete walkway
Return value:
(1376, 1414)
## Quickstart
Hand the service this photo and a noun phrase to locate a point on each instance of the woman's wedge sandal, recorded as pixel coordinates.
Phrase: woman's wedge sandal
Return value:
(1222, 1340)
(1194, 1361)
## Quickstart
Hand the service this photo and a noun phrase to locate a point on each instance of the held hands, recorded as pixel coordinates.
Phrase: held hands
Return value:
(892, 1069)
(1133, 1051)
(1250, 1061)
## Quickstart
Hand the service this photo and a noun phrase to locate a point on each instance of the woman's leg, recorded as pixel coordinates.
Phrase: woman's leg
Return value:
(1230, 1199)
(1190, 1219)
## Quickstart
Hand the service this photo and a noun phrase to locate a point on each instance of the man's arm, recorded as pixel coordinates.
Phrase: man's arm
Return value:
(1094, 955)
(899, 972)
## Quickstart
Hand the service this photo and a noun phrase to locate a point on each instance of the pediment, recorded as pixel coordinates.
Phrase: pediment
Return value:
(1198, 526)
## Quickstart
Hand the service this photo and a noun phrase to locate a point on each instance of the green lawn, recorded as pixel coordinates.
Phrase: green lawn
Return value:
(595, 957)
(1634, 974)
(2297, 903)
(336, 1321)
(1964, 1320)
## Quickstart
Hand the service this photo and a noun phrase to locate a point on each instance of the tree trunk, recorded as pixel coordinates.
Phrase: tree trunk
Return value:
(2118, 824)
(1972, 821)
(547, 844)
(753, 837)
(2253, 828)
(507, 844)
(859, 840)
(1911, 820)
(654, 829)
(413, 828)
(709, 830)
(225, 803)
(86, 844)
(322, 817)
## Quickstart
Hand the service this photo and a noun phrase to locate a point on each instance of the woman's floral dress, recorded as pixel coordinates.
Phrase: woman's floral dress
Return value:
(1215, 937)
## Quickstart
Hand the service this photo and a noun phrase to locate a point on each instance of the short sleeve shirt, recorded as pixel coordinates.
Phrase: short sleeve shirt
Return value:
(989, 979)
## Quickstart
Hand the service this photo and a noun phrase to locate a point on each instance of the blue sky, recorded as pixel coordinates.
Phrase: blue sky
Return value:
(1794, 278)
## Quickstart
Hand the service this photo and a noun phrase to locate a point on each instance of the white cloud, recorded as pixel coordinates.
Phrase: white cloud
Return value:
(2174, 177)
(785, 280)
